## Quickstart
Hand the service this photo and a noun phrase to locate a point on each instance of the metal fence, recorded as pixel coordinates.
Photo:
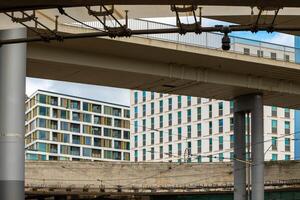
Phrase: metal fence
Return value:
(212, 41)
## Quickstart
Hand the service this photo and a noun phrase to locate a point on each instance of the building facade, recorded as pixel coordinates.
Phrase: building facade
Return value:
(297, 112)
(182, 128)
(62, 127)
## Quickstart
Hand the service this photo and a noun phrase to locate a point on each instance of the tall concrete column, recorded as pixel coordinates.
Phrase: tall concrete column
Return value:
(239, 154)
(252, 103)
(12, 115)
(257, 148)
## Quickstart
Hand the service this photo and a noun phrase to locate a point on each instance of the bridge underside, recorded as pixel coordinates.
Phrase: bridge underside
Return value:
(146, 64)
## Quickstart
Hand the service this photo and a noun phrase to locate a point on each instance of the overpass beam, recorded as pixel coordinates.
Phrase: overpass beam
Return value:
(253, 104)
(12, 115)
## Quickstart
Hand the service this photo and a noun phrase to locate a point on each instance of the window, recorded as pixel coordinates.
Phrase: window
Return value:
(161, 121)
(189, 100)
(210, 144)
(287, 58)
(231, 106)
(189, 115)
(179, 133)
(220, 125)
(274, 157)
(136, 97)
(75, 104)
(135, 141)
(136, 155)
(231, 141)
(260, 53)
(210, 158)
(76, 116)
(210, 111)
(42, 98)
(273, 56)
(87, 118)
(170, 135)
(42, 123)
(144, 95)
(274, 143)
(75, 139)
(179, 102)
(170, 119)
(221, 157)
(144, 140)
(221, 143)
(199, 146)
(246, 51)
(144, 124)
(152, 95)
(231, 156)
(287, 144)
(136, 127)
(231, 124)
(287, 127)
(44, 111)
(161, 152)
(210, 127)
(87, 152)
(220, 108)
(170, 104)
(287, 113)
(199, 113)
(152, 153)
(189, 131)
(161, 136)
(152, 123)
(179, 117)
(126, 113)
(135, 112)
(287, 157)
(274, 111)
(199, 129)
(152, 108)
(198, 100)
(199, 159)
(274, 126)
(144, 154)
(161, 106)
(144, 110)
(170, 150)
(152, 138)
(96, 108)
(179, 149)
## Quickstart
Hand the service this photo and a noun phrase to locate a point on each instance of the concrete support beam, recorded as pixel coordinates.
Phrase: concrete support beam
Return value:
(253, 104)
(12, 118)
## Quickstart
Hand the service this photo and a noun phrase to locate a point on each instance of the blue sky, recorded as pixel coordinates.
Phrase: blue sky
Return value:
(122, 96)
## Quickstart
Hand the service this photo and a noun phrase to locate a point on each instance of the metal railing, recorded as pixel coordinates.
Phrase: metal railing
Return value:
(210, 40)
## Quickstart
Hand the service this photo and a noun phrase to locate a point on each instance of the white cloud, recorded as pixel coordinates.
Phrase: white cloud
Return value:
(101, 93)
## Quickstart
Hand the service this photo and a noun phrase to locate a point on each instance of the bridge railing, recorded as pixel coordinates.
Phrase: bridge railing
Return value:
(212, 41)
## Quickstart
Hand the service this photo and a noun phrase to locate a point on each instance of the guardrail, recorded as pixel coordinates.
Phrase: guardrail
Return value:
(212, 41)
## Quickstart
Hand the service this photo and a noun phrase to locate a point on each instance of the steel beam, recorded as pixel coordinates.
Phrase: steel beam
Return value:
(12, 118)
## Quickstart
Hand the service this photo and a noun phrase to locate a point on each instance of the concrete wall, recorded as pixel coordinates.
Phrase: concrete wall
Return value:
(63, 174)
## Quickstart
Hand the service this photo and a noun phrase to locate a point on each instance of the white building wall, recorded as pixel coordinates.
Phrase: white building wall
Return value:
(205, 136)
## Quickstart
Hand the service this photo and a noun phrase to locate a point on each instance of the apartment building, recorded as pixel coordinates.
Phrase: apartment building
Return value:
(178, 128)
(63, 127)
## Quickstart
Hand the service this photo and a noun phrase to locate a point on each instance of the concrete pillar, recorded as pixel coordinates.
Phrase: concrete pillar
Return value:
(239, 154)
(252, 103)
(12, 116)
(257, 148)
